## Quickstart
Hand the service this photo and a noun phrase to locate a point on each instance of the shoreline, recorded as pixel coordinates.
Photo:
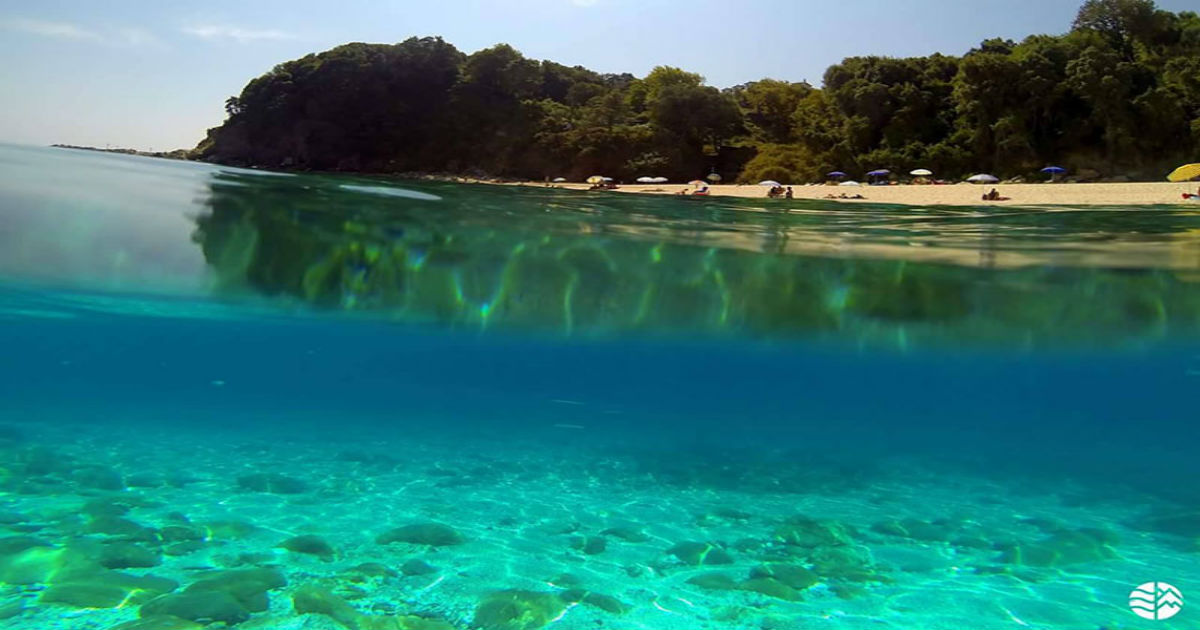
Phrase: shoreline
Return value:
(1078, 194)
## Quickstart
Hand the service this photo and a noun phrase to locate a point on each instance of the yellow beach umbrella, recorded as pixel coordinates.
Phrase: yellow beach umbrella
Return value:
(1185, 173)
(595, 179)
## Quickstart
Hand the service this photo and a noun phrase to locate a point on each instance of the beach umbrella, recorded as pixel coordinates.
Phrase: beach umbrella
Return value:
(697, 182)
(849, 183)
(645, 180)
(983, 178)
(882, 172)
(770, 182)
(713, 177)
(1185, 173)
(560, 179)
(596, 179)
(660, 180)
(835, 174)
(1054, 170)
(921, 172)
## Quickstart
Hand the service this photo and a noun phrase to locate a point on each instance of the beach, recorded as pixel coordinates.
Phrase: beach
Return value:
(1107, 194)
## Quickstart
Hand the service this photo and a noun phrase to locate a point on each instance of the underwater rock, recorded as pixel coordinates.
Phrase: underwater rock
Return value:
(417, 567)
(606, 603)
(698, 553)
(589, 545)
(849, 562)
(802, 531)
(14, 609)
(228, 530)
(181, 533)
(377, 570)
(98, 478)
(12, 518)
(566, 580)
(1062, 549)
(247, 586)
(771, 588)
(273, 483)
(310, 545)
(199, 606)
(314, 599)
(915, 529)
(123, 528)
(627, 534)
(158, 622)
(714, 581)
(124, 555)
(37, 564)
(184, 548)
(432, 534)
(792, 575)
(517, 610)
(97, 508)
(106, 590)
(1185, 524)
(146, 480)
(83, 595)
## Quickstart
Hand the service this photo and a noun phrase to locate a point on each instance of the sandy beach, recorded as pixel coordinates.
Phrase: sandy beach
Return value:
(1121, 194)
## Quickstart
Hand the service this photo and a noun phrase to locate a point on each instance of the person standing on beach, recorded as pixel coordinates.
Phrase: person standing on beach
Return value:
(788, 194)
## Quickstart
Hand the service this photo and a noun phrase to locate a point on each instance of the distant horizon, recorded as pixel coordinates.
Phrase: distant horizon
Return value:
(153, 78)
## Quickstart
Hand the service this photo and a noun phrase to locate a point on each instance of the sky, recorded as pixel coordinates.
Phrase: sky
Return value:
(154, 75)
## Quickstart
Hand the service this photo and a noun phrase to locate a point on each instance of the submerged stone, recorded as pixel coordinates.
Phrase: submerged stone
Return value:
(199, 606)
(793, 575)
(714, 581)
(589, 545)
(1062, 549)
(432, 534)
(417, 567)
(698, 553)
(517, 610)
(806, 532)
(99, 478)
(84, 595)
(606, 603)
(316, 600)
(310, 545)
(627, 534)
(158, 622)
(273, 483)
(124, 555)
(376, 569)
(771, 588)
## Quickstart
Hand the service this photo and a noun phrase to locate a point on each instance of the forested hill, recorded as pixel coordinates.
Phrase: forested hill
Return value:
(1118, 94)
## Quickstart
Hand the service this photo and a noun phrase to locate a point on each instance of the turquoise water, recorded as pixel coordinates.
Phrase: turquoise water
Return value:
(246, 398)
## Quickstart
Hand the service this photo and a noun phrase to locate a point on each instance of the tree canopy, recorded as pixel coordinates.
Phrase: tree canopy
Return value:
(1118, 94)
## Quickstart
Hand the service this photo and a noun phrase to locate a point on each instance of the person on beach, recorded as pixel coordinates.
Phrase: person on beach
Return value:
(788, 194)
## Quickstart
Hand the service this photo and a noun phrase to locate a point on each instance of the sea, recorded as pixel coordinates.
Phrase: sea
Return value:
(240, 398)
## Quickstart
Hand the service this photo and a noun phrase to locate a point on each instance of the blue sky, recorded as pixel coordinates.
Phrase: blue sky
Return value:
(155, 74)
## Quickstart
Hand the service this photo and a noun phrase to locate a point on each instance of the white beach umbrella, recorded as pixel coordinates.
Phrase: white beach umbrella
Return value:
(849, 183)
(921, 172)
(660, 180)
(770, 182)
(645, 180)
(983, 178)
(560, 179)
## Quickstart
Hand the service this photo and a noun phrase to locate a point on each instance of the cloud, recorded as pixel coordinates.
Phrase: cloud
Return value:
(62, 30)
(125, 36)
(235, 33)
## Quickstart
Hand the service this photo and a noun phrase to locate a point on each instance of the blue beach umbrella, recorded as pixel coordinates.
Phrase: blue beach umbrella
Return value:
(882, 172)
(1054, 170)
(835, 174)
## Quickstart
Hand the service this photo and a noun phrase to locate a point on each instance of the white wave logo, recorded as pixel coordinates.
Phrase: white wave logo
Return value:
(1155, 600)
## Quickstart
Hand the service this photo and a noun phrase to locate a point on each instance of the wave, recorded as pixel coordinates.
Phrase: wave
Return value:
(387, 191)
